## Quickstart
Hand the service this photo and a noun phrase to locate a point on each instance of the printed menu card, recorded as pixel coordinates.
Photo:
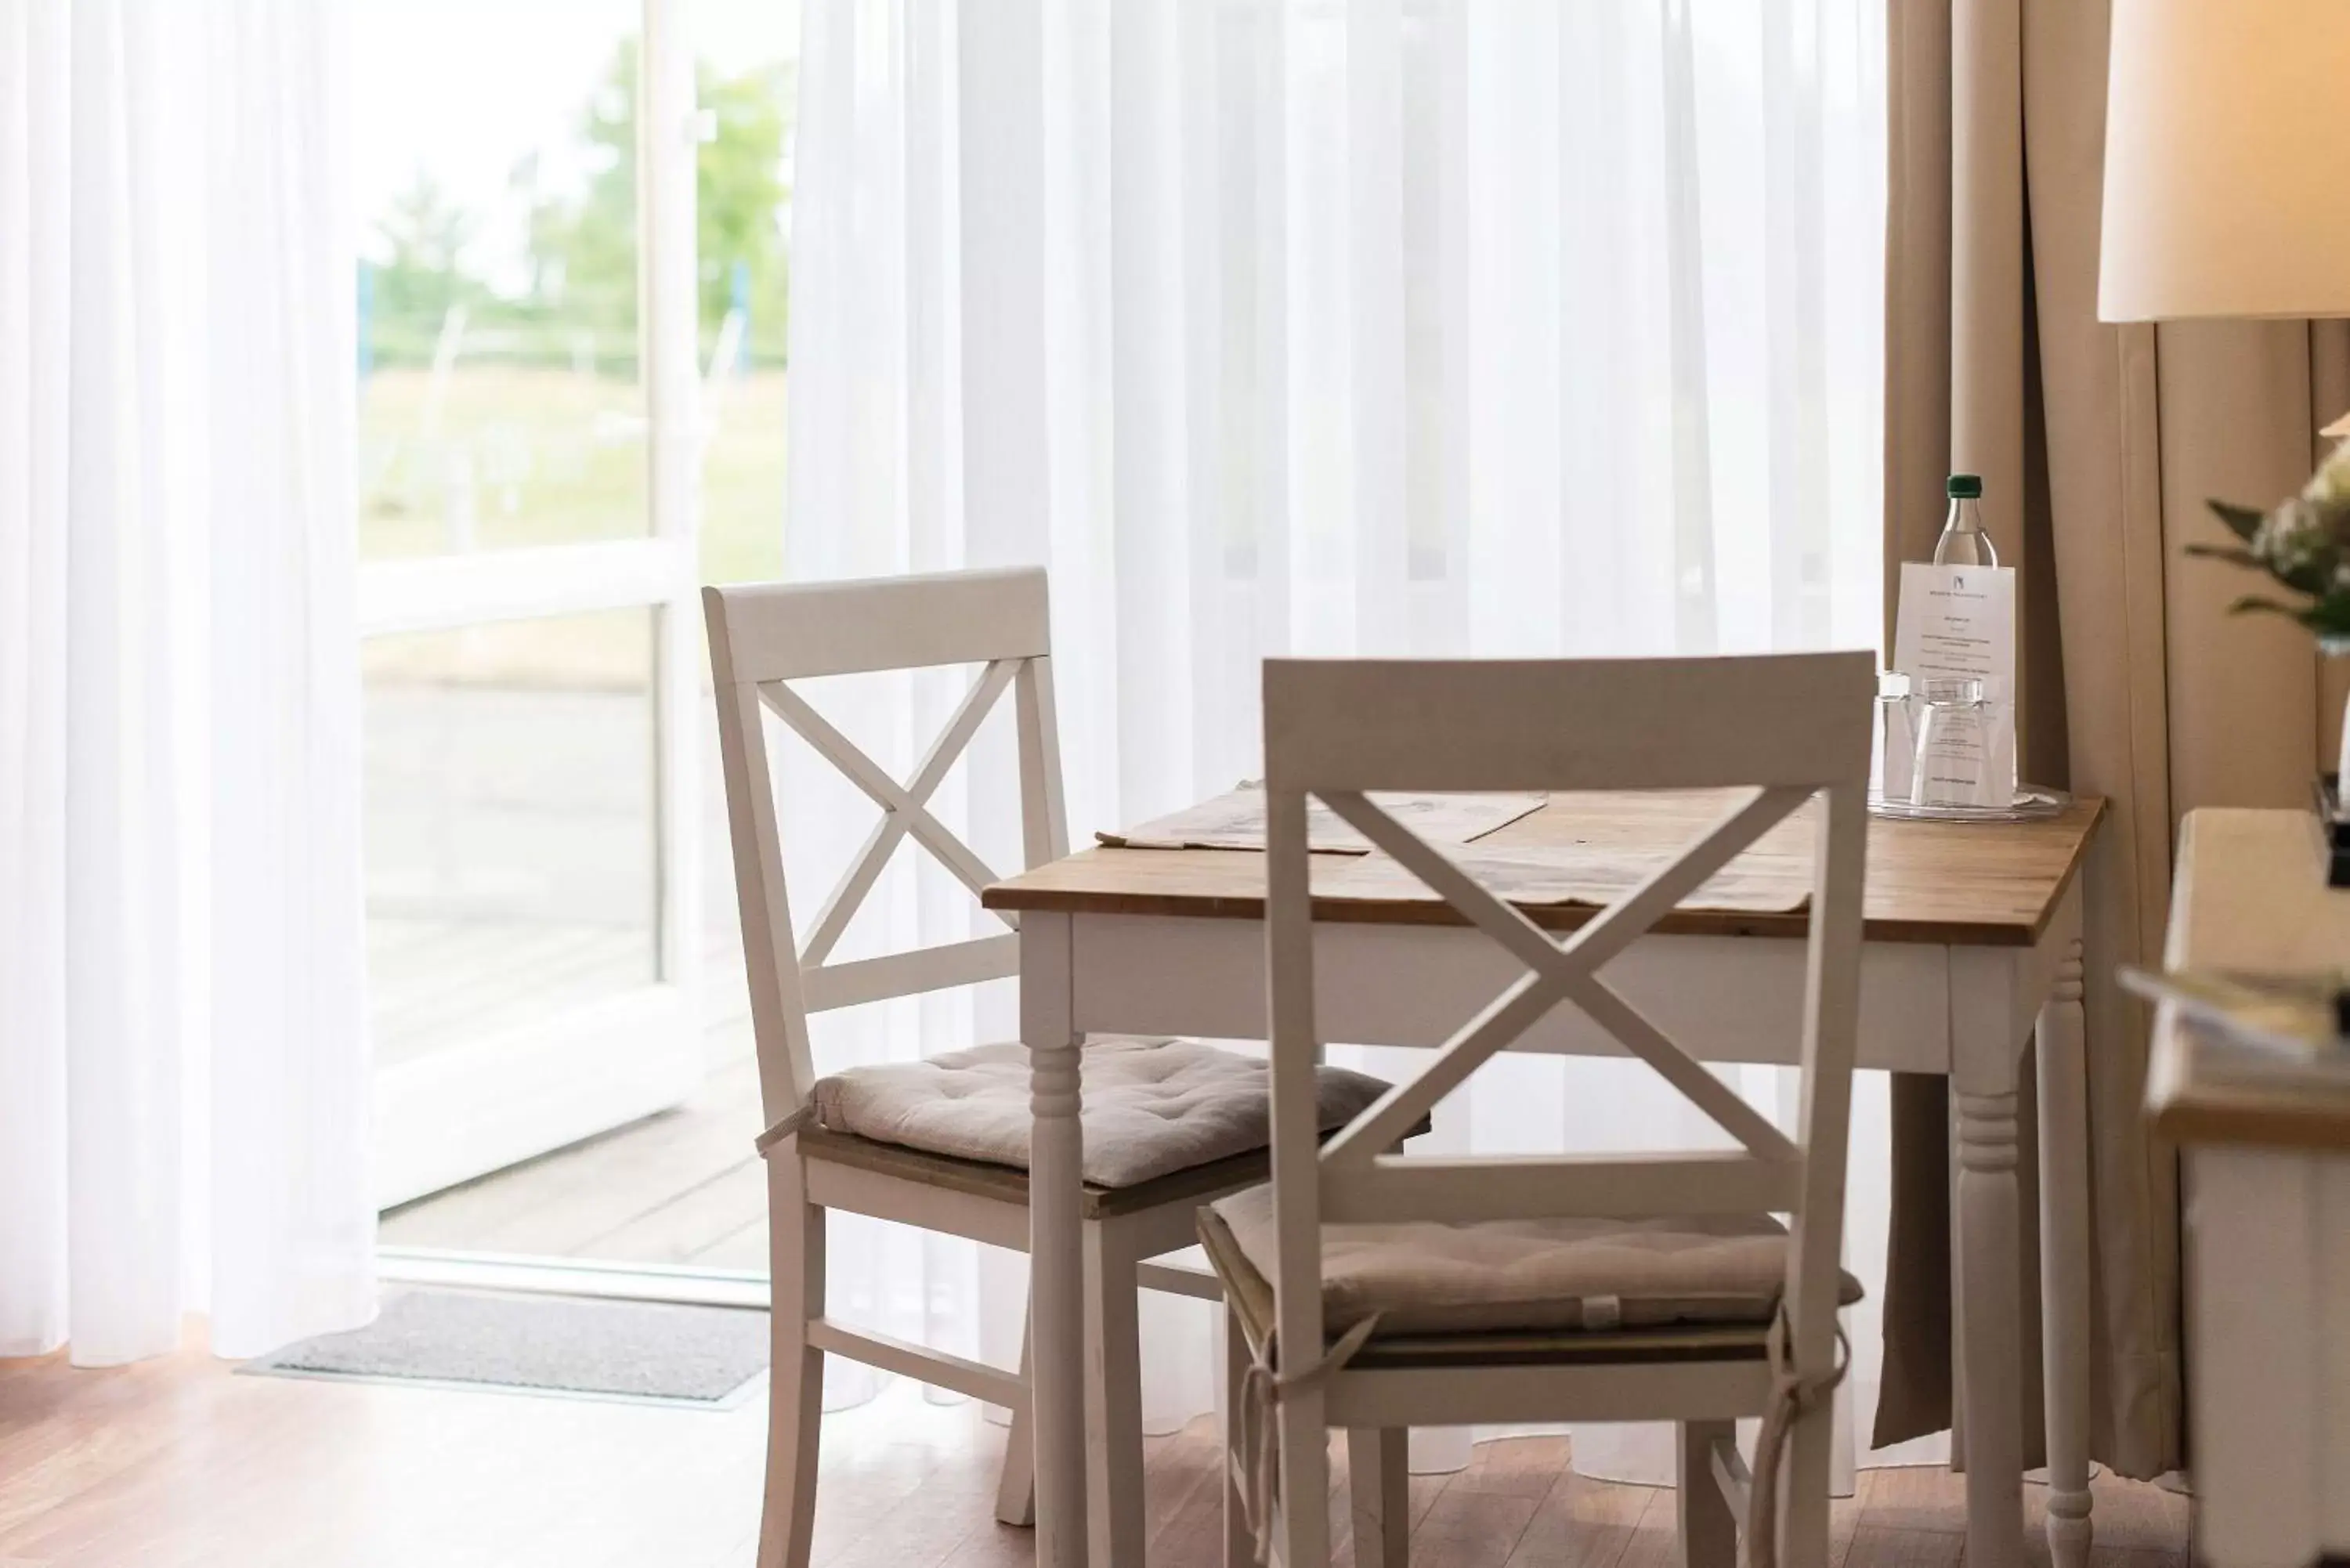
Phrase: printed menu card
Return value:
(1960, 622)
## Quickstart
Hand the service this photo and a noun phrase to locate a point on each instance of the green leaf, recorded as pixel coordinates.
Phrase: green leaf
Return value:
(2254, 604)
(2329, 616)
(2235, 556)
(2316, 579)
(2243, 522)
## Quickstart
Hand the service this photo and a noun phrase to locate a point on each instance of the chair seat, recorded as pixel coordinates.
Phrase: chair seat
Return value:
(1003, 1184)
(1551, 1280)
(1152, 1106)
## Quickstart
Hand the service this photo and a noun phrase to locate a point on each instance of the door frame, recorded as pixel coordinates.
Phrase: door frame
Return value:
(451, 1115)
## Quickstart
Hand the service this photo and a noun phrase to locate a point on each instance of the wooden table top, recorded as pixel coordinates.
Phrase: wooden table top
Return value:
(1969, 884)
(2250, 895)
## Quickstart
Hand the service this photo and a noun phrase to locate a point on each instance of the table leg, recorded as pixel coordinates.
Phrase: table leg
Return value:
(1984, 1083)
(1055, 1241)
(2064, 1261)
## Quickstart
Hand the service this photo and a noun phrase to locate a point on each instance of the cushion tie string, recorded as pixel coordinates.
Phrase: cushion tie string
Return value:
(1261, 1394)
(1791, 1396)
(793, 1122)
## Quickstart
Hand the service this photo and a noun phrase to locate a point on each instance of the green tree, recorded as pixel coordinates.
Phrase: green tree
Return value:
(740, 193)
(584, 245)
(423, 234)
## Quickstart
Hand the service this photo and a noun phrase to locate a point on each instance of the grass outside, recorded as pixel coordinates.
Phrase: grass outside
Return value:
(512, 456)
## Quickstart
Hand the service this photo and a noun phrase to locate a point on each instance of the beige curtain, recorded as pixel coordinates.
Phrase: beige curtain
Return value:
(2099, 447)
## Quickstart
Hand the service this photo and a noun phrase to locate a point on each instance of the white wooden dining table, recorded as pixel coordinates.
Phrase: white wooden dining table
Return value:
(1971, 943)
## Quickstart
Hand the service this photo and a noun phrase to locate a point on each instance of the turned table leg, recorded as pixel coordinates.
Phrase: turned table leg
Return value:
(2064, 1259)
(1984, 1082)
(1056, 1242)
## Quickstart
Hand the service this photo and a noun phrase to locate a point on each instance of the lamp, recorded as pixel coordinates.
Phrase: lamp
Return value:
(2224, 128)
(2225, 121)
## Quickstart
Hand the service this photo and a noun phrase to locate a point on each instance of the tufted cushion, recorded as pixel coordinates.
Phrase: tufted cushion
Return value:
(1497, 1275)
(1151, 1106)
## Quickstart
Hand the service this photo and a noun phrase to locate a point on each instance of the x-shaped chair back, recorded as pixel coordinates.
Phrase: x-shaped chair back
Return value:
(1789, 727)
(765, 636)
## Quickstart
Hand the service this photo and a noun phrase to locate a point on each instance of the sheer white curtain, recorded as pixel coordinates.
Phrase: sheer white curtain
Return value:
(183, 1072)
(1428, 327)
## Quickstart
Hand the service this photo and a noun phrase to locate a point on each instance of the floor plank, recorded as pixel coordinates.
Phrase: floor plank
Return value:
(176, 1463)
(2134, 1557)
(1467, 1527)
(1185, 1501)
(1581, 1524)
(746, 1249)
(1878, 1546)
(1913, 1498)
(696, 1221)
(1657, 1543)
(604, 1197)
(2135, 1518)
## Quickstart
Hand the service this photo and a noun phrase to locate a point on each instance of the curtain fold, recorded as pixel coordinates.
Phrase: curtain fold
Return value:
(1376, 326)
(184, 1123)
(2099, 446)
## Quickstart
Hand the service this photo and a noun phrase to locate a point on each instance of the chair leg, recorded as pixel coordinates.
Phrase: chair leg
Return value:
(796, 1377)
(1709, 1527)
(1380, 1483)
(1113, 1512)
(1240, 1546)
(1304, 1533)
(1015, 1488)
(1804, 1505)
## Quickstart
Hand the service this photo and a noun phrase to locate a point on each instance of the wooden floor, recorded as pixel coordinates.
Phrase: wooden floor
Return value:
(684, 1186)
(178, 1463)
(432, 983)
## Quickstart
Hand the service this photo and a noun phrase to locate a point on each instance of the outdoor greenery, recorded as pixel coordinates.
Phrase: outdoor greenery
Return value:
(425, 235)
(538, 476)
(534, 432)
(578, 303)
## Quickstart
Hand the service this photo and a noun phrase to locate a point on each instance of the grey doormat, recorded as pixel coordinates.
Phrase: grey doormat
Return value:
(699, 1355)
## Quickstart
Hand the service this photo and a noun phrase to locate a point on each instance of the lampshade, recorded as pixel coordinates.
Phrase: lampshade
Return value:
(2227, 159)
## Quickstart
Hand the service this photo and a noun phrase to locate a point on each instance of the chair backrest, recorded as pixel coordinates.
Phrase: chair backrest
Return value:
(1794, 726)
(763, 637)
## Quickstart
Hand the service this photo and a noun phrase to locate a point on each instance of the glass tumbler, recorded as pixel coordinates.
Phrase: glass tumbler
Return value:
(1953, 740)
(1893, 750)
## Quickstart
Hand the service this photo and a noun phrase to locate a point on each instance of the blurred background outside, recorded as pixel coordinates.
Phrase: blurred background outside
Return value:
(513, 811)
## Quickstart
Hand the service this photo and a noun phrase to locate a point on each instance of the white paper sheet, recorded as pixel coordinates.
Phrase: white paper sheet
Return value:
(1236, 821)
(1958, 622)
(1584, 873)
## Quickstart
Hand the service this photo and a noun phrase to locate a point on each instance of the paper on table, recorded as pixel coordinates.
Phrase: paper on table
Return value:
(1958, 622)
(1576, 874)
(2297, 1017)
(1236, 821)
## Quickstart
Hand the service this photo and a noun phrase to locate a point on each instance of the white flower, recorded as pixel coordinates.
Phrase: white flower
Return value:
(2291, 538)
(2330, 485)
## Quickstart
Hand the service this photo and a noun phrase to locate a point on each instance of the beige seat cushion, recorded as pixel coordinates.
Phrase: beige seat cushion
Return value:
(1151, 1106)
(1501, 1276)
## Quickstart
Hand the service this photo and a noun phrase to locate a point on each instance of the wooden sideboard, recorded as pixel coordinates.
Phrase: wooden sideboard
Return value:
(2267, 1192)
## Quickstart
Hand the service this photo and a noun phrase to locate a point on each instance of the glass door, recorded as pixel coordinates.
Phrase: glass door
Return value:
(523, 172)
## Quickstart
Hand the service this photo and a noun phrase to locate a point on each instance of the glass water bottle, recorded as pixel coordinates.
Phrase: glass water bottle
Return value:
(1963, 542)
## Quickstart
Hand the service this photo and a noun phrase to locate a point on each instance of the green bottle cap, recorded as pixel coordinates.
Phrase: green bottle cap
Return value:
(1965, 487)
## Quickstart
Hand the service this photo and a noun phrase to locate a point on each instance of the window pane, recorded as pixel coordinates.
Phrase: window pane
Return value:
(495, 180)
(747, 76)
(510, 838)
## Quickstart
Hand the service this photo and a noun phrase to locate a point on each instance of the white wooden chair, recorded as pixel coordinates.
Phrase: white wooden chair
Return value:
(1449, 1290)
(943, 1144)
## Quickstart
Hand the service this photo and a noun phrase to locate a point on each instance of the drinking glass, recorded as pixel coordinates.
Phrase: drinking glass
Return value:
(1893, 750)
(1953, 739)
